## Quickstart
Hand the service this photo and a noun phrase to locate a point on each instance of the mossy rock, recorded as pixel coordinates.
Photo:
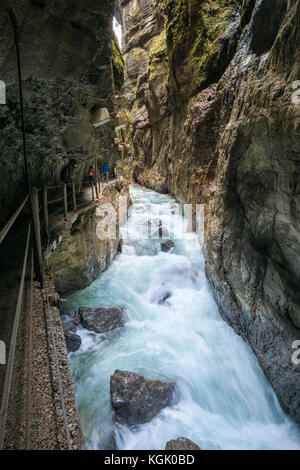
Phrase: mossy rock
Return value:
(158, 56)
(116, 189)
(246, 13)
(118, 64)
(195, 30)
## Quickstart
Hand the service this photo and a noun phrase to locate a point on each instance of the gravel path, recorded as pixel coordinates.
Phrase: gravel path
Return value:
(38, 423)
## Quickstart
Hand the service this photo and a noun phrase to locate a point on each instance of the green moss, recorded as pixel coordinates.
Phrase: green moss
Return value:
(194, 30)
(158, 56)
(207, 44)
(118, 64)
(247, 7)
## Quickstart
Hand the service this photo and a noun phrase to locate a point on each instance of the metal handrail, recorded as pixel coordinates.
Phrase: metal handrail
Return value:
(12, 349)
(11, 221)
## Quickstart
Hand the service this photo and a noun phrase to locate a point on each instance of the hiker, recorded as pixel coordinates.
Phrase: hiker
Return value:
(105, 171)
(68, 173)
(92, 175)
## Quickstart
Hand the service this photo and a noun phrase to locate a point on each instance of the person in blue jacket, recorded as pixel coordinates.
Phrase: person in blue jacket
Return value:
(105, 171)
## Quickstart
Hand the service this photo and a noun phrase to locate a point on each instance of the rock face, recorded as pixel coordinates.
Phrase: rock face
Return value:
(181, 443)
(70, 65)
(172, 88)
(102, 319)
(216, 119)
(84, 246)
(167, 245)
(73, 341)
(137, 400)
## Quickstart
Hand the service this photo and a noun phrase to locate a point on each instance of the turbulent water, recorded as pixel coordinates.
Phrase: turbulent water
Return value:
(225, 400)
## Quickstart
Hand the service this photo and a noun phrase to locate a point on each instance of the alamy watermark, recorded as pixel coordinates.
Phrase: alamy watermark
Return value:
(176, 223)
(2, 92)
(2, 353)
(296, 353)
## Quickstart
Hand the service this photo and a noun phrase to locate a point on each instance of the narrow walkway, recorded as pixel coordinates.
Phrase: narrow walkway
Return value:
(35, 418)
(84, 200)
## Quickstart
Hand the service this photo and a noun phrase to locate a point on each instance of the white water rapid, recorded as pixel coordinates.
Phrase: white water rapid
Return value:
(225, 399)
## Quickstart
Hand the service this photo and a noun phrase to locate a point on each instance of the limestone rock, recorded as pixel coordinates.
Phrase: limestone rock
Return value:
(181, 443)
(137, 400)
(167, 245)
(67, 70)
(102, 319)
(84, 246)
(230, 139)
(73, 341)
(69, 327)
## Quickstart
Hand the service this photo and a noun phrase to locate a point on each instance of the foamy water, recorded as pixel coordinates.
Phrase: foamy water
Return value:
(225, 401)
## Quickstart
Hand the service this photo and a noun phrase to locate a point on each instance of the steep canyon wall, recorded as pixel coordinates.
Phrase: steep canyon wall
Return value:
(215, 119)
(70, 65)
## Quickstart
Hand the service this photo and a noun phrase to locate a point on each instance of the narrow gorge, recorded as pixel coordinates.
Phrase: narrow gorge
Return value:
(214, 121)
(175, 314)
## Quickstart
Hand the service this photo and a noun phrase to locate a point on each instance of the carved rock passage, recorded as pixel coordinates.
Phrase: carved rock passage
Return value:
(235, 144)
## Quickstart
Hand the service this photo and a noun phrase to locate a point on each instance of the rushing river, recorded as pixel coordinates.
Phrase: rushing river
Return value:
(225, 399)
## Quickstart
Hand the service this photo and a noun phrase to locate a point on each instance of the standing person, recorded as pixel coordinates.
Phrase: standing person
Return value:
(105, 171)
(92, 175)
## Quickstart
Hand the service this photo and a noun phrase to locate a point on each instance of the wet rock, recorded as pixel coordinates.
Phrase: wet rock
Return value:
(167, 245)
(70, 324)
(181, 443)
(102, 319)
(69, 327)
(81, 249)
(73, 341)
(137, 400)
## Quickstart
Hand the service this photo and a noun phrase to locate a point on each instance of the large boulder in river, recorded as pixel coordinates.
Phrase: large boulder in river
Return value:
(137, 400)
(181, 443)
(73, 341)
(167, 245)
(102, 319)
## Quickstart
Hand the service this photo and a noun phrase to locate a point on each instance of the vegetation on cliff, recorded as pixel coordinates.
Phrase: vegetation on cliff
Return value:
(158, 56)
(117, 64)
(195, 30)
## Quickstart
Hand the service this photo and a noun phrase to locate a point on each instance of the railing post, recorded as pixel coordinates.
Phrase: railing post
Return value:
(96, 188)
(74, 196)
(37, 225)
(65, 200)
(93, 196)
(45, 205)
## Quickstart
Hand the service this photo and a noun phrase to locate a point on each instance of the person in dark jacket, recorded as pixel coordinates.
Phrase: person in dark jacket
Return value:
(68, 172)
